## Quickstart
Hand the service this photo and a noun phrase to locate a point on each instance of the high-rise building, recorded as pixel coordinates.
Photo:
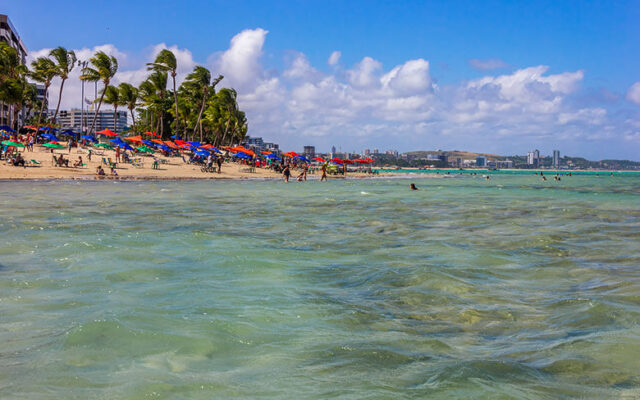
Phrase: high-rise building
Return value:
(367, 152)
(9, 34)
(333, 149)
(375, 151)
(533, 158)
(556, 158)
(73, 119)
(481, 161)
(309, 151)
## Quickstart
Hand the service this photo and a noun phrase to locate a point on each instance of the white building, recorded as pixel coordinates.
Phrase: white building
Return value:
(73, 119)
(556, 158)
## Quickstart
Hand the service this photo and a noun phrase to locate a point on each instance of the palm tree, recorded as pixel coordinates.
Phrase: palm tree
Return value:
(104, 68)
(111, 96)
(129, 97)
(166, 62)
(65, 61)
(200, 80)
(152, 92)
(43, 71)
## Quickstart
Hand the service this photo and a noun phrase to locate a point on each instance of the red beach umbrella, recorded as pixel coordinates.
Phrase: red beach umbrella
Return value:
(346, 161)
(266, 153)
(336, 160)
(152, 134)
(319, 159)
(107, 132)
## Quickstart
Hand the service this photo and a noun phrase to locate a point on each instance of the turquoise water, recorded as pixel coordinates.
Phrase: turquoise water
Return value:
(359, 289)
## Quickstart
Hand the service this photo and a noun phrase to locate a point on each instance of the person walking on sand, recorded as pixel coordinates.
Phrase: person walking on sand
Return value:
(219, 161)
(324, 172)
(286, 173)
(117, 154)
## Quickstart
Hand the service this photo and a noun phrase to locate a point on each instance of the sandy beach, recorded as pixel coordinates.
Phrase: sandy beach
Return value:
(169, 168)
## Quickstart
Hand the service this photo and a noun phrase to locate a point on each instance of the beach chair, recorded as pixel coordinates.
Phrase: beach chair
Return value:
(111, 163)
(54, 161)
(104, 161)
(35, 163)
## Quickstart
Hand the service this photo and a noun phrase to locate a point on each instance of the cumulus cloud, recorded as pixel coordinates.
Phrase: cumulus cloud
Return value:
(633, 94)
(334, 58)
(395, 106)
(487, 65)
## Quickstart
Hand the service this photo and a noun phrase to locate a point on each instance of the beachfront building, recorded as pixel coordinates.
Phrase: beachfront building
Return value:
(9, 34)
(367, 152)
(309, 151)
(73, 119)
(556, 158)
(481, 161)
(533, 158)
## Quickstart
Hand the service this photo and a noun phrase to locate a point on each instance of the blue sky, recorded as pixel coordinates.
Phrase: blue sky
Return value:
(461, 41)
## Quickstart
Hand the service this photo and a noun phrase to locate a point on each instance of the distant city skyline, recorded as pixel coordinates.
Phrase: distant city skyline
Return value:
(497, 77)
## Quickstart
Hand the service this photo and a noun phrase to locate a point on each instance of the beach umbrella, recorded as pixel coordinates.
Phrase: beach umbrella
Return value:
(202, 153)
(11, 143)
(163, 147)
(195, 143)
(171, 144)
(153, 134)
(117, 141)
(103, 145)
(49, 136)
(266, 153)
(54, 145)
(319, 159)
(175, 137)
(4, 133)
(107, 132)
(303, 158)
(273, 157)
(242, 155)
(145, 149)
(134, 138)
(48, 128)
(210, 148)
(69, 132)
(6, 128)
(125, 146)
(347, 161)
(336, 160)
(89, 138)
(148, 142)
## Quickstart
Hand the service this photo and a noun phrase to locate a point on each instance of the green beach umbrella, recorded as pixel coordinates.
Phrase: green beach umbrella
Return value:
(12, 143)
(146, 149)
(53, 145)
(103, 145)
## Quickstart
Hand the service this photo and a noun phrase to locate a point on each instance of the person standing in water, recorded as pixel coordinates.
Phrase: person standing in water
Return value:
(286, 173)
(324, 172)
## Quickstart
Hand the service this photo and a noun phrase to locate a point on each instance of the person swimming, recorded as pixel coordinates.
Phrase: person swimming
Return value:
(413, 187)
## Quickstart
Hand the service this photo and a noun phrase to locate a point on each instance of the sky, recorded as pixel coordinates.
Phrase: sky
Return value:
(499, 77)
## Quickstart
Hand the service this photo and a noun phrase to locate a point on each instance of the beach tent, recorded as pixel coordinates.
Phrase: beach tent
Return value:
(107, 132)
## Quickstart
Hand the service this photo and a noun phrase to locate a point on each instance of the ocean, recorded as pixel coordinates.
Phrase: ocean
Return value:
(505, 288)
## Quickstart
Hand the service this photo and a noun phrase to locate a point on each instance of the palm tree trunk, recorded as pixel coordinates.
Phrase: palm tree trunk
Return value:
(115, 118)
(175, 99)
(46, 91)
(133, 118)
(95, 116)
(204, 100)
(59, 100)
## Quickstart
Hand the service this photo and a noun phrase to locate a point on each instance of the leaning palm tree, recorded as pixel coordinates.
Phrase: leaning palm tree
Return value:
(166, 62)
(43, 71)
(65, 61)
(152, 92)
(103, 68)
(129, 97)
(111, 96)
(200, 80)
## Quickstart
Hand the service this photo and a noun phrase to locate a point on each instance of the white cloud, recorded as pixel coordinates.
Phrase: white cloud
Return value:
(633, 94)
(334, 58)
(240, 64)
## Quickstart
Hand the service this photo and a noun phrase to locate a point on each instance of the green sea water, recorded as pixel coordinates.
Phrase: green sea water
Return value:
(358, 289)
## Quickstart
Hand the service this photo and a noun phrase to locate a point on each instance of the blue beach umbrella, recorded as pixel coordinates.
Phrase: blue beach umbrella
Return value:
(175, 137)
(89, 138)
(273, 157)
(148, 142)
(117, 141)
(6, 128)
(49, 136)
(125, 146)
(242, 155)
(202, 153)
(69, 132)
(301, 158)
(195, 143)
(164, 147)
